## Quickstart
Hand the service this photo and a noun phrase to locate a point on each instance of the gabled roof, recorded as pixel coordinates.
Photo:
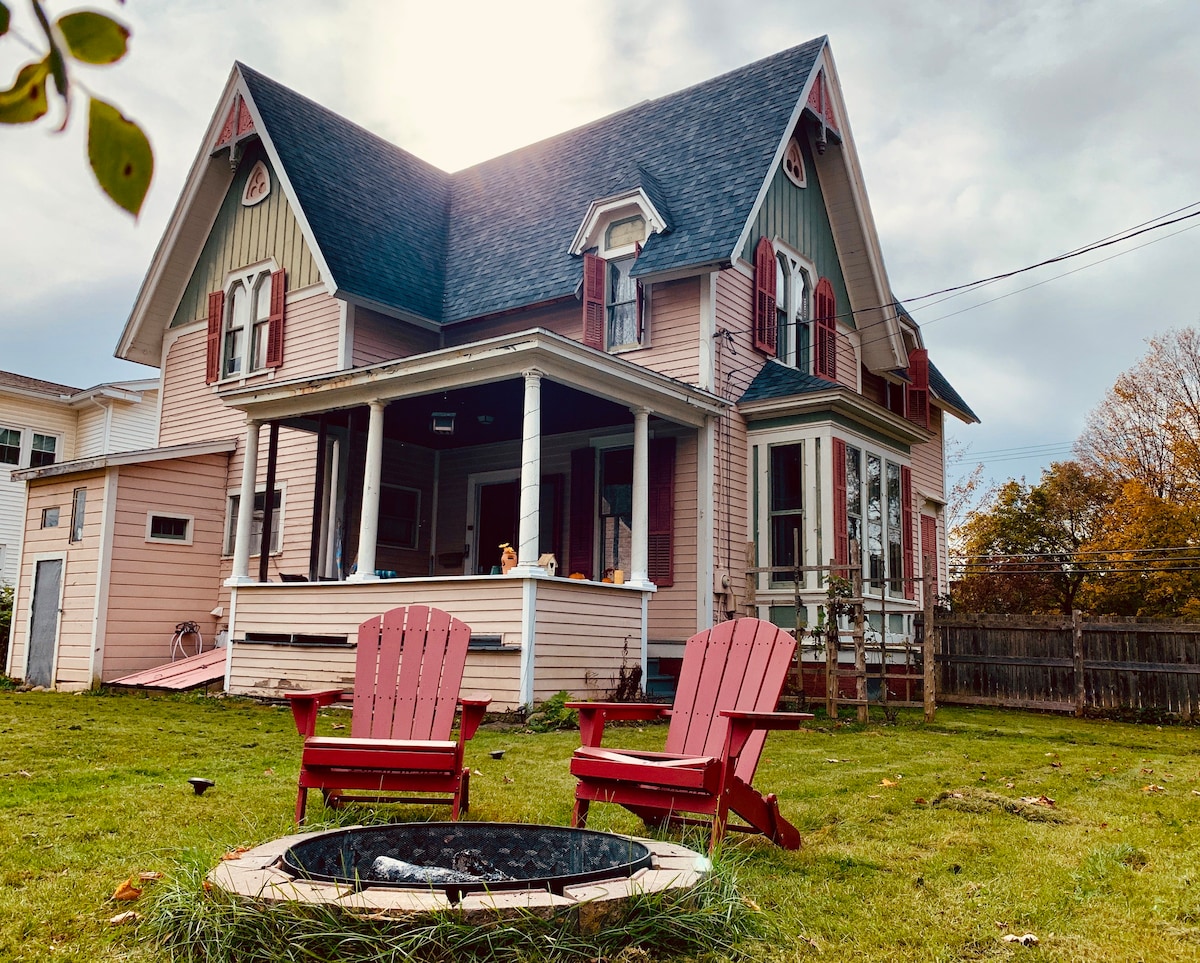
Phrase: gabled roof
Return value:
(27, 385)
(378, 213)
(944, 392)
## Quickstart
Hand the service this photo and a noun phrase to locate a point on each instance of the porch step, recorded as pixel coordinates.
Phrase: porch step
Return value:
(178, 676)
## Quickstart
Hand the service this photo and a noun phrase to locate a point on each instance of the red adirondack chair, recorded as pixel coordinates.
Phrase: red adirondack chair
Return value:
(407, 675)
(730, 682)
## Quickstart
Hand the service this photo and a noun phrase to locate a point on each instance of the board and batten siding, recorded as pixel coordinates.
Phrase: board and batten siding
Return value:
(378, 338)
(798, 216)
(241, 236)
(153, 586)
(76, 635)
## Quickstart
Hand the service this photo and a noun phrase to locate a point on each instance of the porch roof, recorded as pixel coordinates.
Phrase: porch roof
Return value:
(116, 459)
(483, 362)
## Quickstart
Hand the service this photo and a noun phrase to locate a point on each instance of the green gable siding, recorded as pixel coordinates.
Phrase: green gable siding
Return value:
(246, 235)
(797, 215)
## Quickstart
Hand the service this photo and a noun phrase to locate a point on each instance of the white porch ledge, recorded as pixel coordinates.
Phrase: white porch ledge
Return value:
(570, 634)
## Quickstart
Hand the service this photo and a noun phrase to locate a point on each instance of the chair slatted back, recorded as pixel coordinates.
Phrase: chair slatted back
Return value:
(408, 670)
(740, 664)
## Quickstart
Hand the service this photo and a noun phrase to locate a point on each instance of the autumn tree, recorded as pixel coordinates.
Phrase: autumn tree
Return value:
(1024, 549)
(1147, 429)
(1147, 556)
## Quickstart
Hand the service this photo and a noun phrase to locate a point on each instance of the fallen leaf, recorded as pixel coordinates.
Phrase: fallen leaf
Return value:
(206, 886)
(887, 783)
(833, 760)
(1056, 765)
(1147, 772)
(1153, 788)
(146, 877)
(1028, 939)
(129, 916)
(126, 891)
(339, 725)
(1038, 801)
(477, 773)
(1196, 792)
(920, 801)
(268, 772)
(236, 853)
(509, 779)
(874, 795)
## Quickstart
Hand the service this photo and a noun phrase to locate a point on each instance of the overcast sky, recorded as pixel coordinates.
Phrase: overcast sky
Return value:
(991, 135)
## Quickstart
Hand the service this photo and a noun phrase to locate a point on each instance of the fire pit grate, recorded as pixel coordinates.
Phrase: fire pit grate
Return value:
(460, 858)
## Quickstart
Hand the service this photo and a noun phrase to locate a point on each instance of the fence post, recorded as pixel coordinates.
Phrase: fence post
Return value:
(860, 648)
(929, 647)
(1077, 640)
(831, 656)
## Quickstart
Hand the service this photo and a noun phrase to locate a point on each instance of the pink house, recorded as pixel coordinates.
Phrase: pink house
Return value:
(649, 354)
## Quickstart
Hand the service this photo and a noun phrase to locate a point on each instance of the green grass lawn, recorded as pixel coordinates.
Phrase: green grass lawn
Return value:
(916, 844)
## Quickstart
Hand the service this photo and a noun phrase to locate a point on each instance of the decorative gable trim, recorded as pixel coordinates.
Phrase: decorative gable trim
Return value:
(238, 126)
(601, 213)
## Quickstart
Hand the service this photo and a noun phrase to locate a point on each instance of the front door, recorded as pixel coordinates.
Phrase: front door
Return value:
(43, 622)
(497, 522)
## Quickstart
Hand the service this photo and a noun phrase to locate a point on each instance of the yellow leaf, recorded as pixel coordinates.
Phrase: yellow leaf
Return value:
(126, 891)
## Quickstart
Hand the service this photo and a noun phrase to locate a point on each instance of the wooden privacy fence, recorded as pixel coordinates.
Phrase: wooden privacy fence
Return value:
(1069, 665)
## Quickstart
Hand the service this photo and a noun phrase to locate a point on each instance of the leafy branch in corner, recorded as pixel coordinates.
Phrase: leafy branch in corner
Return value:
(118, 150)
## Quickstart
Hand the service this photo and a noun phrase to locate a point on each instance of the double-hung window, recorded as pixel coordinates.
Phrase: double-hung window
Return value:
(613, 303)
(27, 449)
(256, 522)
(786, 505)
(878, 520)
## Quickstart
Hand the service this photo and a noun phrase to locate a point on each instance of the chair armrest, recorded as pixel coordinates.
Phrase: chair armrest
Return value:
(593, 715)
(743, 723)
(305, 705)
(472, 714)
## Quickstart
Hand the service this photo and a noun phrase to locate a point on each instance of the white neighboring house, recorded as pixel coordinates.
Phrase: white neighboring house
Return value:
(42, 423)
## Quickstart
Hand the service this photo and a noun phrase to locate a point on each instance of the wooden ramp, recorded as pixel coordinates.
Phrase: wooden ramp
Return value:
(178, 676)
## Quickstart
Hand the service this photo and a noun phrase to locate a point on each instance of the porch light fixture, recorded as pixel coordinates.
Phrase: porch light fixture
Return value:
(442, 423)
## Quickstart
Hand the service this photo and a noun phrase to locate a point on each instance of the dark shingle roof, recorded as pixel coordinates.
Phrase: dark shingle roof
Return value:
(777, 380)
(943, 390)
(378, 212)
(495, 236)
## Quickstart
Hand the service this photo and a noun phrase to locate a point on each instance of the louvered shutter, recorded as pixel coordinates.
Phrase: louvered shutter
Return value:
(581, 550)
(918, 391)
(593, 301)
(216, 314)
(825, 353)
(275, 322)
(929, 549)
(765, 321)
(906, 521)
(661, 515)
(841, 532)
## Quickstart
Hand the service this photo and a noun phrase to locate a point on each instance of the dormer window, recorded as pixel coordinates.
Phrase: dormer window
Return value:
(624, 233)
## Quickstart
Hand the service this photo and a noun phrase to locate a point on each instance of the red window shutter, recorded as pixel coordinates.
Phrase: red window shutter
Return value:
(906, 522)
(841, 531)
(918, 391)
(825, 348)
(581, 550)
(216, 315)
(661, 516)
(765, 322)
(275, 322)
(929, 549)
(593, 300)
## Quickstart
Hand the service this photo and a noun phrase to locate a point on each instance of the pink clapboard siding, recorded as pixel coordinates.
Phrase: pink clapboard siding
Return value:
(73, 666)
(929, 480)
(378, 338)
(673, 345)
(736, 367)
(155, 585)
(193, 410)
(563, 317)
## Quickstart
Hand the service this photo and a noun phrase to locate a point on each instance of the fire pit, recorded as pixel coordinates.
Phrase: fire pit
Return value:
(459, 858)
(475, 869)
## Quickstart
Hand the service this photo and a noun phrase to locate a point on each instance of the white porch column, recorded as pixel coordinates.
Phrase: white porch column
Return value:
(639, 561)
(241, 537)
(368, 523)
(531, 479)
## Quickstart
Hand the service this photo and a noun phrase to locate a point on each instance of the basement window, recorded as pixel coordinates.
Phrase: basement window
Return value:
(176, 529)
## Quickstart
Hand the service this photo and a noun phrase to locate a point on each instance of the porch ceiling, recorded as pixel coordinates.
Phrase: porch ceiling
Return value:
(577, 377)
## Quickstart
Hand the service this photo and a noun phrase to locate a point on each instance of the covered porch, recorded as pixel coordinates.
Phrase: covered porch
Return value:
(424, 466)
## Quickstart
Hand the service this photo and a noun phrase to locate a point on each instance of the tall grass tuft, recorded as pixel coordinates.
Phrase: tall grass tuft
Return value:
(192, 925)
